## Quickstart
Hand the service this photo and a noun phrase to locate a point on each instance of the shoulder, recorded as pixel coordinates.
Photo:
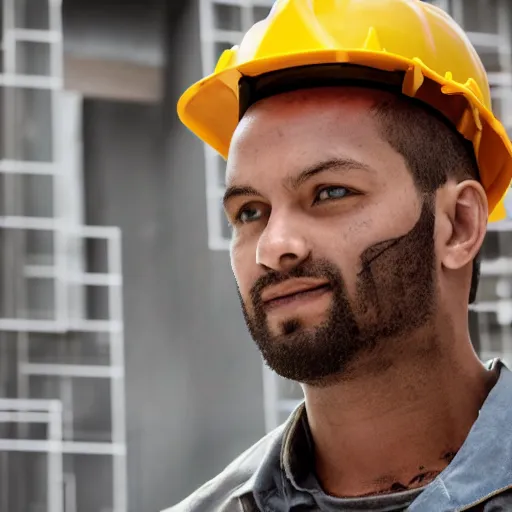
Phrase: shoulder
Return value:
(222, 492)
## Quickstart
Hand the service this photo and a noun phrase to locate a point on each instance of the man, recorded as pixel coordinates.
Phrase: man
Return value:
(363, 164)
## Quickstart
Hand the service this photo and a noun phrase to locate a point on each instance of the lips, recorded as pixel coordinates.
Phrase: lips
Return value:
(292, 289)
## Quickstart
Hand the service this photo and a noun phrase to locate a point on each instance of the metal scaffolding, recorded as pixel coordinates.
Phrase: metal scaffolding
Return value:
(61, 318)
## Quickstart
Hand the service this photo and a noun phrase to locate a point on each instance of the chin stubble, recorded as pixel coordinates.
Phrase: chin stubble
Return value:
(394, 297)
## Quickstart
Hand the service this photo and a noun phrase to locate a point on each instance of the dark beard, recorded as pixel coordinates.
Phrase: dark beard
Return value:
(395, 296)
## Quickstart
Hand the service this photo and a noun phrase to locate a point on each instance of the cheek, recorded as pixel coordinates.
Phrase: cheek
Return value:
(342, 245)
(244, 268)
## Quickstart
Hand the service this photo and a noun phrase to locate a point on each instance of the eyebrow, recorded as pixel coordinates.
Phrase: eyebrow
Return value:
(335, 164)
(294, 182)
(235, 191)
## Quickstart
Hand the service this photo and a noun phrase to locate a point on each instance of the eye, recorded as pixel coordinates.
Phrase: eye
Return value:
(248, 214)
(327, 193)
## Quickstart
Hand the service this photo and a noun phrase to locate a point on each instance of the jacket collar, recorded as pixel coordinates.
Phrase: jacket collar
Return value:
(483, 465)
(481, 468)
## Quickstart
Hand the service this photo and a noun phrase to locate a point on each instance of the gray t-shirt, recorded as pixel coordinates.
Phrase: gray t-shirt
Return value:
(384, 503)
(298, 455)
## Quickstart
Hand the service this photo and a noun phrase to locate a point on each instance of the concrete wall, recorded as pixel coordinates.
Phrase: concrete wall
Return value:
(113, 49)
(194, 385)
(137, 25)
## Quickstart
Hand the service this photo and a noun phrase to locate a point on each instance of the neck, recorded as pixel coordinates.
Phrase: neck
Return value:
(397, 427)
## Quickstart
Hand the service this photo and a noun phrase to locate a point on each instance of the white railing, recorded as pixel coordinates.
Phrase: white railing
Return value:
(64, 265)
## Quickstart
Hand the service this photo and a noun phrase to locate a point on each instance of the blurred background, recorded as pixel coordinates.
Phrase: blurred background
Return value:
(127, 377)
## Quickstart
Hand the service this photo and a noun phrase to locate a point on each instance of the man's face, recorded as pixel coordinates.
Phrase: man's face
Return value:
(333, 247)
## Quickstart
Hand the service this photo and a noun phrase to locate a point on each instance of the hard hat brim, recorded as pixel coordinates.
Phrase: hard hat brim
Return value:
(211, 107)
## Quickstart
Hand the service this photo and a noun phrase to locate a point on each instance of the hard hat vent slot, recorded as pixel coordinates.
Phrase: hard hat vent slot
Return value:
(372, 41)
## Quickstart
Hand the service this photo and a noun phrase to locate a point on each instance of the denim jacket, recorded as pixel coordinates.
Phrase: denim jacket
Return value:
(479, 478)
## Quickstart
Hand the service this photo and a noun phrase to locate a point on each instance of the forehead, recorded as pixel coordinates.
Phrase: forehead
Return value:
(300, 128)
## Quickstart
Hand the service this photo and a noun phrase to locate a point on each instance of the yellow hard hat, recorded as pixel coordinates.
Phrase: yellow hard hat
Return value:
(408, 46)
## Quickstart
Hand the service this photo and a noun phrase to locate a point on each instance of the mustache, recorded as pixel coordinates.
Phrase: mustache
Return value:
(322, 269)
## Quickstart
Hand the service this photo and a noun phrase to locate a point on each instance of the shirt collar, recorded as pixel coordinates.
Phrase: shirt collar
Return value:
(297, 454)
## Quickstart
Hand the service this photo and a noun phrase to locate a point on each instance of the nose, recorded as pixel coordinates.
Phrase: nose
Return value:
(282, 246)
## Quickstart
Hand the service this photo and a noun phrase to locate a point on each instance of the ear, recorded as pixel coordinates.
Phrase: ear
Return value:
(464, 211)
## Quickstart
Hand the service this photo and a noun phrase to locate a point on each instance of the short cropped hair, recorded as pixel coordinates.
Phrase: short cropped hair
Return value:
(433, 150)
